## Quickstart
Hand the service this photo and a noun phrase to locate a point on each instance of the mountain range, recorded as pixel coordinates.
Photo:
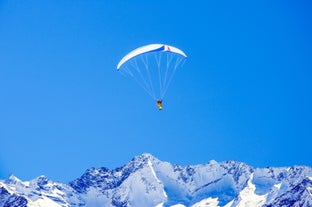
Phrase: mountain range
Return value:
(148, 182)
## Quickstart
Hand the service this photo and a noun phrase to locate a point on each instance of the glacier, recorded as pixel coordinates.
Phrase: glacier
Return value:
(147, 181)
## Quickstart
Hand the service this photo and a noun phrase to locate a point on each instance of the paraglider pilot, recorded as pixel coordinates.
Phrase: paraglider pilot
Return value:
(159, 104)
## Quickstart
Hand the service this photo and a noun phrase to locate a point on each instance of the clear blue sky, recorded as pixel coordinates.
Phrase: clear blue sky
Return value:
(244, 93)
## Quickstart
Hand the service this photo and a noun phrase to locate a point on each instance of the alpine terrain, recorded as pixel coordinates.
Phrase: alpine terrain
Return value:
(148, 182)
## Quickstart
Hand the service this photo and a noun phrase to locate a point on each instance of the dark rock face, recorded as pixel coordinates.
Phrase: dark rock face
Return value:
(8, 200)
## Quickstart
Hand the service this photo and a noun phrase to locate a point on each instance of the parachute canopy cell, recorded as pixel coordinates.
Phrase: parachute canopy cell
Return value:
(152, 67)
(149, 49)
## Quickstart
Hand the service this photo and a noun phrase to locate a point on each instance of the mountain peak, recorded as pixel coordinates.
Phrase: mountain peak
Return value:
(12, 179)
(41, 181)
(148, 155)
(143, 158)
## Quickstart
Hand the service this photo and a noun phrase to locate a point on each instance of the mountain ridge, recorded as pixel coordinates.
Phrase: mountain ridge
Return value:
(147, 181)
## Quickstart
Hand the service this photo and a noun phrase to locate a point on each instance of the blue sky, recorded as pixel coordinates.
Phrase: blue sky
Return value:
(244, 93)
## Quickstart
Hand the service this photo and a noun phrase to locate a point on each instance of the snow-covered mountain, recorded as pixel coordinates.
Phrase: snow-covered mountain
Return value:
(148, 182)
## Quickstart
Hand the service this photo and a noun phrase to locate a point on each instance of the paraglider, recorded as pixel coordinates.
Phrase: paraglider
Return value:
(153, 67)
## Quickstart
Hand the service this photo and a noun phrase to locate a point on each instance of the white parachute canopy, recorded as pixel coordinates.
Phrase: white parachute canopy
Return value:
(147, 49)
(152, 67)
